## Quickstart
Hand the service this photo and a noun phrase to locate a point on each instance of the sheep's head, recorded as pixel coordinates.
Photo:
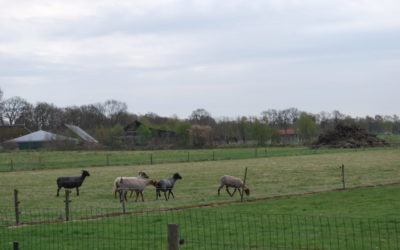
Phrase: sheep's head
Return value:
(246, 191)
(85, 173)
(177, 176)
(143, 175)
(153, 182)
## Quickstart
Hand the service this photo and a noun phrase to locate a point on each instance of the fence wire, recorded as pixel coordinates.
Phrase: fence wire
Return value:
(199, 229)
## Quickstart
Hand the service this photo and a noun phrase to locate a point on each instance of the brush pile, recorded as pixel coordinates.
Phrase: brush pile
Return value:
(348, 136)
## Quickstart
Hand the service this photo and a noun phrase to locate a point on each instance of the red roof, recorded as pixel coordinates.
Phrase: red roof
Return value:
(287, 132)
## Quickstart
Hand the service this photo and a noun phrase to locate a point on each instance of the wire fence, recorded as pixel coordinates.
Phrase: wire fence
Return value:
(67, 159)
(199, 229)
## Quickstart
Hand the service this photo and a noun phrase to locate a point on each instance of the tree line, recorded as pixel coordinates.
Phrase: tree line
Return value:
(106, 122)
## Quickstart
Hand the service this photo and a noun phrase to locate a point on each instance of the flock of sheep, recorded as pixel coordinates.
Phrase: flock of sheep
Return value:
(137, 184)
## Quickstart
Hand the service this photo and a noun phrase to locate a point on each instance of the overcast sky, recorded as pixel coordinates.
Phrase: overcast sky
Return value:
(229, 57)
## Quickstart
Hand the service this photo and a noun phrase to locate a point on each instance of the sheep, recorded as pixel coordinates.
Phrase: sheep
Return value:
(71, 182)
(167, 185)
(117, 180)
(231, 181)
(133, 184)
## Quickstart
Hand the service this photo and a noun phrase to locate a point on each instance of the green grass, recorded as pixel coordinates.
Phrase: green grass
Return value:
(392, 139)
(31, 160)
(332, 220)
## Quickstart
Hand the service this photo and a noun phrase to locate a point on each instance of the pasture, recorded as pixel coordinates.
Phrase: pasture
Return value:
(324, 219)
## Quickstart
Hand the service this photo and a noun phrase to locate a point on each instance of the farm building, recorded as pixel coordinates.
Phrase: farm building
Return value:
(39, 139)
(158, 136)
(289, 136)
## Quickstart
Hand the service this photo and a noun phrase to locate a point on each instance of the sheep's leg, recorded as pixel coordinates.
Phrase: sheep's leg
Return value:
(234, 191)
(170, 192)
(165, 195)
(222, 185)
(77, 191)
(131, 193)
(227, 190)
(137, 194)
(157, 193)
(141, 193)
(58, 191)
(240, 192)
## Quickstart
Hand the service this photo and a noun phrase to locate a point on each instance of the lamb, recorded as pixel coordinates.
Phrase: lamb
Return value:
(167, 185)
(231, 181)
(71, 182)
(117, 180)
(133, 184)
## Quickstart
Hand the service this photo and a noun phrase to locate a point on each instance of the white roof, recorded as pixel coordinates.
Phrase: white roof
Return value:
(41, 135)
(81, 133)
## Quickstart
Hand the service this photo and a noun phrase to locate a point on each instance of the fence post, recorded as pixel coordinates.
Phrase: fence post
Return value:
(16, 205)
(173, 237)
(12, 165)
(15, 245)
(244, 184)
(343, 179)
(67, 201)
(123, 205)
(151, 159)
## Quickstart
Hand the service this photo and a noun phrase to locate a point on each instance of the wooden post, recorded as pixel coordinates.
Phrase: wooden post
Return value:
(16, 205)
(123, 205)
(151, 159)
(173, 237)
(12, 165)
(67, 201)
(244, 184)
(15, 245)
(343, 179)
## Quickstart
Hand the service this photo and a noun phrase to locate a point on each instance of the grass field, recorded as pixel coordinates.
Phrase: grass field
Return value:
(30, 160)
(324, 220)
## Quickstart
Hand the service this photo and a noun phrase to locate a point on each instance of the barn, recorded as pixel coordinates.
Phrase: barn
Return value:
(39, 139)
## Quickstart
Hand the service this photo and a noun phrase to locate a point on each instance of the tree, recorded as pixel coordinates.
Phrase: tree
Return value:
(201, 136)
(202, 117)
(13, 108)
(113, 110)
(261, 132)
(182, 132)
(306, 127)
(1, 108)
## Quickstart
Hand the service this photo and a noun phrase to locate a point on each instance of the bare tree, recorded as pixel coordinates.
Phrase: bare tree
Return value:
(13, 108)
(113, 110)
(1, 108)
(202, 117)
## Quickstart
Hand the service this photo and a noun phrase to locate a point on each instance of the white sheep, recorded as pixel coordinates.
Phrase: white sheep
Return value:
(137, 185)
(237, 183)
(116, 188)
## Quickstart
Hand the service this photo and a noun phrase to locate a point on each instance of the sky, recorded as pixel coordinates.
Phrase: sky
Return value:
(230, 58)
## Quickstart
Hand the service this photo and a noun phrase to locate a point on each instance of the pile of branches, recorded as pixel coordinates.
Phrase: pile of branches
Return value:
(348, 136)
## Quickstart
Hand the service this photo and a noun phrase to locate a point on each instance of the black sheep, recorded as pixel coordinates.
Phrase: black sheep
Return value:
(167, 185)
(71, 182)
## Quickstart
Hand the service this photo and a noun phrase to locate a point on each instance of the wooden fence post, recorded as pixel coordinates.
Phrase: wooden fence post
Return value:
(123, 205)
(343, 179)
(244, 184)
(67, 201)
(173, 237)
(16, 205)
(12, 165)
(151, 159)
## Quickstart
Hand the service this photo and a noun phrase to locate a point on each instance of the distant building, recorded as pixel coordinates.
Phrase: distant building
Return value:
(158, 136)
(289, 136)
(39, 139)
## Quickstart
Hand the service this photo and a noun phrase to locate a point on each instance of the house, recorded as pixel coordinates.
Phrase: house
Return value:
(289, 136)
